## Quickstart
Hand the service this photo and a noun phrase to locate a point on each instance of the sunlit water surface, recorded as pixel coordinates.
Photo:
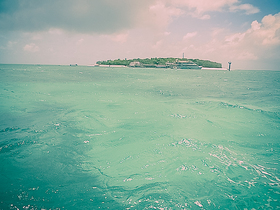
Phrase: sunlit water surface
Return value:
(124, 138)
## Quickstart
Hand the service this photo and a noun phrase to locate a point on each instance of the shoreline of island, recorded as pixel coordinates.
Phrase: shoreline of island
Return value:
(173, 63)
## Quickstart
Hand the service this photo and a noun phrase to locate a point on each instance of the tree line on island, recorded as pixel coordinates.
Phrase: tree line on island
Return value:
(160, 61)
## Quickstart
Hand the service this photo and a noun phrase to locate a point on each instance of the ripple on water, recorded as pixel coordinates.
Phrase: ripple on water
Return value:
(190, 173)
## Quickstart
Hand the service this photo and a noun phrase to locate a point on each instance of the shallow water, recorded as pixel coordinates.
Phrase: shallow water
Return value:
(124, 138)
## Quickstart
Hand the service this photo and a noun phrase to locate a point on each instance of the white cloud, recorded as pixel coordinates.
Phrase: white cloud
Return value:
(255, 25)
(160, 14)
(205, 17)
(264, 33)
(198, 8)
(255, 44)
(158, 44)
(120, 37)
(36, 36)
(234, 39)
(9, 46)
(55, 31)
(249, 9)
(167, 33)
(79, 16)
(246, 56)
(107, 17)
(217, 31)
(31, 48)
(190, 35)
(202, 6)
(80, 41)
(270, 30)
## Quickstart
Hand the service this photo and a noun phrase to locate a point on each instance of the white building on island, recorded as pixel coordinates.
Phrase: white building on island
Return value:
(135, 64)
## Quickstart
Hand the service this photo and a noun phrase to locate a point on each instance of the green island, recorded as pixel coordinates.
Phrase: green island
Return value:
(158, 62)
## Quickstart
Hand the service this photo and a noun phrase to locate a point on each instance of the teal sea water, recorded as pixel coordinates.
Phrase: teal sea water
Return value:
(124, 138)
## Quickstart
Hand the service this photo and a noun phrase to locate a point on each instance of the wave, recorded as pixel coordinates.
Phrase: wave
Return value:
(197, 174)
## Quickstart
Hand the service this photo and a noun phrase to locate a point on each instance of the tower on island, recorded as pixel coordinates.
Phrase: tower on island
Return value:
(229, 64)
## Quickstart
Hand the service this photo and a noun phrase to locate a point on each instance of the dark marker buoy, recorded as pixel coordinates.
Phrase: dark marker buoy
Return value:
(229, 63)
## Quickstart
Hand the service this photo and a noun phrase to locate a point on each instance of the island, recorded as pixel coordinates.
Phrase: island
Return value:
(180, 63)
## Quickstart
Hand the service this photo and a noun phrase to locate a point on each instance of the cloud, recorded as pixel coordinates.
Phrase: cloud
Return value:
(80, 41)
(205, 17)
(258, 44)
(120, 37)
(10, 45)
(260, 34)
(106, 16)
(55, 31)
(249, 9)
(202, 6)
(198, 8)
(190, 35)
(161, 14)
(167, 33)
(246, 56)
(31, 48)
(157, 16)
(158, 44)
(83, 16)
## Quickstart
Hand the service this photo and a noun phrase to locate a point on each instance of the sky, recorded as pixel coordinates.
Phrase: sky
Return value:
(245, 32)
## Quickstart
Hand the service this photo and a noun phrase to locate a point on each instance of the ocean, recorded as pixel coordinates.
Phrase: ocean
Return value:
(79, 137)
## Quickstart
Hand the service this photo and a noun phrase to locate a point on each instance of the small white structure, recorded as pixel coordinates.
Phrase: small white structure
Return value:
(135, 64)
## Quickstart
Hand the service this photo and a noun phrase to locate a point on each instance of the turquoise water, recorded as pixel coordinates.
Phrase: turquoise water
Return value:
(124, 138)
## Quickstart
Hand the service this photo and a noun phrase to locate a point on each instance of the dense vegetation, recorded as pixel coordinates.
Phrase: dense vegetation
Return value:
(160, 61)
